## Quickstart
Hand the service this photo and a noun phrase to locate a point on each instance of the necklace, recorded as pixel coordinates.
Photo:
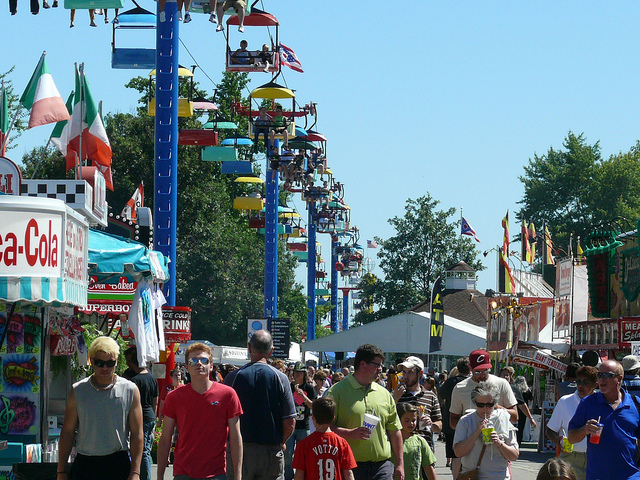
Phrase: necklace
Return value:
(103, 387)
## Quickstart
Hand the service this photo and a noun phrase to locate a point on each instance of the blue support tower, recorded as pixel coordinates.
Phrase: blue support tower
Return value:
(271, 242)
(345, 309)
(311, 273)
(165, 197)
(334, 285)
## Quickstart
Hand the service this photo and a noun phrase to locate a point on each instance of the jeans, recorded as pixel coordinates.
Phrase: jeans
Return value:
(262, 462)
(298, 434)
(148, 429)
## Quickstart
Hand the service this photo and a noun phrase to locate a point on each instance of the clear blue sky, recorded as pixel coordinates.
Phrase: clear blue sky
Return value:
(450, 98)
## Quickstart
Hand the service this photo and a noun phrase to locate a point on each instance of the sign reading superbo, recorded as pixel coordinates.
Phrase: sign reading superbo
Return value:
(31, 244)
(177, 324)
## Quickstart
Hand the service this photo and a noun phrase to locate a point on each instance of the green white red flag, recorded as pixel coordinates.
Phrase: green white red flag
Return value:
(42, 98)
(87, 129)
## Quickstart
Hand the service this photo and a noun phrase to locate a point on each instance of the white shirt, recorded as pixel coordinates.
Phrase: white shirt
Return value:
(562, 415)
(461, 396)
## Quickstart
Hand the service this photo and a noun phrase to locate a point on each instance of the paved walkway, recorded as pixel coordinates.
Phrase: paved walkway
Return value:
(525, 468)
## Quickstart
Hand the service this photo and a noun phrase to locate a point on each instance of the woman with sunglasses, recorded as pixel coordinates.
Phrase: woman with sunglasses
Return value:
(492, 460)
(105, 411)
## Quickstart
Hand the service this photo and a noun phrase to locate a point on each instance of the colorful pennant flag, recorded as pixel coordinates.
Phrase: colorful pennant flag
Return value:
(42, 98)
(533, 241)
(547, 252)
(506, 283)
(60, 133)
(136, 201)
(466, 229)
(505, 237)
(525, 253)
(288, 57)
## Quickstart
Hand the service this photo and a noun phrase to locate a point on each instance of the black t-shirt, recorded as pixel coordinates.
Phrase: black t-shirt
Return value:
(302, 410)
(148, 386)
(444, 397)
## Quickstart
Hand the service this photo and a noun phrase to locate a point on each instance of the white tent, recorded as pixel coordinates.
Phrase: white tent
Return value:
(406, 332)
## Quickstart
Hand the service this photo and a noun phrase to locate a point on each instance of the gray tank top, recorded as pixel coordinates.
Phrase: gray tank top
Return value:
(103, 428)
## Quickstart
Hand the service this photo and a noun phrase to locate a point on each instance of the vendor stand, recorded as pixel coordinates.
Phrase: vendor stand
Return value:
(43, 265)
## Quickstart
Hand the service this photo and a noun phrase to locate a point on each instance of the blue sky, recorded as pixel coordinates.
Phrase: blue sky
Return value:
(450, 98)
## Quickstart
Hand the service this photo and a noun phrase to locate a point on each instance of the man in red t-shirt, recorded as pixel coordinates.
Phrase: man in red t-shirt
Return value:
(205, 412)
(323, 455)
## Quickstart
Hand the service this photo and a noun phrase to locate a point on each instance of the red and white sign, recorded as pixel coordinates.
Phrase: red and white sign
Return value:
(75, 253)
(549, 361)
(529, 362)
(63, 345)
(564, 277)
(177, 324)
(10, 177)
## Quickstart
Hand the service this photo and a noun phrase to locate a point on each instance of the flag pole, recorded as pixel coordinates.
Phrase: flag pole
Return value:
(82, 99)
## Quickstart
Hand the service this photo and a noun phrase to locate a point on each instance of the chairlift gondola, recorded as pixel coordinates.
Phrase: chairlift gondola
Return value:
(133, 58)
(185, 105)
(254, 60)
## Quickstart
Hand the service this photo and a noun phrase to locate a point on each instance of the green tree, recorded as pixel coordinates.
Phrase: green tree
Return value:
(557, 188)
(574, 189)
(426, 242)
(220, 261)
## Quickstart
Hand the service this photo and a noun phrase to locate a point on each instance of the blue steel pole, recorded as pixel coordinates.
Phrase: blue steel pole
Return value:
(271, 241)
(311, 273)
(334, 285)
(165, 197)
(345, 309)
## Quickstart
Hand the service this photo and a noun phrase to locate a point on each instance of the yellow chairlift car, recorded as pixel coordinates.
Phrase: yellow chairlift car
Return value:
(185, 105)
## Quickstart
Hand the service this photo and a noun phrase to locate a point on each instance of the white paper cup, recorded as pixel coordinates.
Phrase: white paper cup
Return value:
(370, 421)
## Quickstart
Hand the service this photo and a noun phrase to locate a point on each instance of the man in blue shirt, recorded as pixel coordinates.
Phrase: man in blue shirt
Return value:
(631, 381)
(269, 412)
(613, 458)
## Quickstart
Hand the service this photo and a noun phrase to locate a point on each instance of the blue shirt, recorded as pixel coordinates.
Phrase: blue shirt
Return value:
(613, 458)
(631, 384)
(266, 398)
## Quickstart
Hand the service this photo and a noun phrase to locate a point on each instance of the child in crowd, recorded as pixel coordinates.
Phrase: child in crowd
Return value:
(556, 469)
(415, 448)
(323, 455)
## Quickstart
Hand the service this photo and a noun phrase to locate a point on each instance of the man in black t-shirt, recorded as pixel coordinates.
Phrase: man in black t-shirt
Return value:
(148, 386)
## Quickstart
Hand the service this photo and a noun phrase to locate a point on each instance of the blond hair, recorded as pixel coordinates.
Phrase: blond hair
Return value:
(197, 347)
(104, 344)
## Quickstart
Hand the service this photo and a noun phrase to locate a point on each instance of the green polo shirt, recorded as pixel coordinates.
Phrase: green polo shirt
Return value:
(352, 402)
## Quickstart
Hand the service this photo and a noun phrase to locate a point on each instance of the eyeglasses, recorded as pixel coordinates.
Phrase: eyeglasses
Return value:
(378, 365)
(103, 363)
(586, 383)
(607, 375)
(488, 404)
(480, 372)
(193, 361)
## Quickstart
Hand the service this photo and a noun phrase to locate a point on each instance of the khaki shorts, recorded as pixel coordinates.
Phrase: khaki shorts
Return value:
(235, 4)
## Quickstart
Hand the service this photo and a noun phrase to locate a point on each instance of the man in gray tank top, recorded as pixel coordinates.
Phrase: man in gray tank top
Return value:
(105, 411)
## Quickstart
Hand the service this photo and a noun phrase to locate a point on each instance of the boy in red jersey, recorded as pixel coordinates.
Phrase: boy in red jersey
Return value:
(323, 455)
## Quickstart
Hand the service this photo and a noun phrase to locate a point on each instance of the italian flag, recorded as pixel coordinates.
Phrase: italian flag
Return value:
(42, 98)
(84, 128)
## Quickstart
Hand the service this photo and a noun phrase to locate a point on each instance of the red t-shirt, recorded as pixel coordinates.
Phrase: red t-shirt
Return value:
(323, 456)
(202, 423)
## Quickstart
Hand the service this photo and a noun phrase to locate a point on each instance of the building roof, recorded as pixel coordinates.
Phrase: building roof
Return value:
(461, 267)
(467, 305)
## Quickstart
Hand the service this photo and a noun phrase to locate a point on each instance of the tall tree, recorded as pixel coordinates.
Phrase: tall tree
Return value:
(427, 241)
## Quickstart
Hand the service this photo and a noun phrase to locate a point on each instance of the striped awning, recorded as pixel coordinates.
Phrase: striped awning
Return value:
(43, 291)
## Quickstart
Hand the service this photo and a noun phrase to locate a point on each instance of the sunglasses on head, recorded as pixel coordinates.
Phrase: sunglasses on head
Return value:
(606, 375)
(193, 361)
(488, 404)
(103, 363)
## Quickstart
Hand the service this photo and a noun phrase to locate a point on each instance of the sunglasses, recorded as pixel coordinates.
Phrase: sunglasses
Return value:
(606, 375)
(103, 363)
(586, 383)
(488, 404)
(193, 361)
(480, 372)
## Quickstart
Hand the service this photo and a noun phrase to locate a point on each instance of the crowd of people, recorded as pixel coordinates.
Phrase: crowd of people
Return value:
(272, 420)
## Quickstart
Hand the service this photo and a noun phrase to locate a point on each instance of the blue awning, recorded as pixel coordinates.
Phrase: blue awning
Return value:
(113, 255)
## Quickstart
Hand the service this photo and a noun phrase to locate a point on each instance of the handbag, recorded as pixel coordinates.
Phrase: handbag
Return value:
(473, 474)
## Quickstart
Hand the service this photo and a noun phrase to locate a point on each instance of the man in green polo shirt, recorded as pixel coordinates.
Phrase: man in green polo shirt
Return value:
(357, 395)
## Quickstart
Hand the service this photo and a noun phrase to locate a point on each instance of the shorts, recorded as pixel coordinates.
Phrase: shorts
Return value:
(106, 467)
(235, 4)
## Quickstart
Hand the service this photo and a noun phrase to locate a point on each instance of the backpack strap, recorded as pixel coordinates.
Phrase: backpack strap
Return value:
(484, 447)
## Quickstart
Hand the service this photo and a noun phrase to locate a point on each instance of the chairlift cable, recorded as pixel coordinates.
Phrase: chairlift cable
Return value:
(198, 65)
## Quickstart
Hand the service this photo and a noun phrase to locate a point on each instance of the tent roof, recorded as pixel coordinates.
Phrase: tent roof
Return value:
(407, 332)
(111, 254)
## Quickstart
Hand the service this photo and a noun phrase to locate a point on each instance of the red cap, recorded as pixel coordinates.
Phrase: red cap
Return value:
(479, 360)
